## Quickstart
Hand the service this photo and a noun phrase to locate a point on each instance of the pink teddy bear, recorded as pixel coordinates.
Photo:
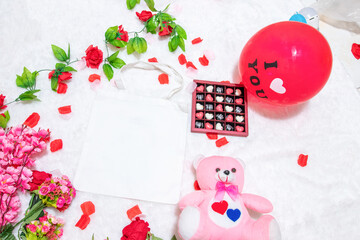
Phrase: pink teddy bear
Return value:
(219, 210)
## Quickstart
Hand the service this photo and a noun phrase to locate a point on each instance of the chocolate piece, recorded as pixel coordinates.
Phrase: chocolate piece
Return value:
(210, 88)
(237, 92)
(219, 126)
(238, 109)
(209, 116)
(229, 100)
(200, 96)
(199, 124)
(219, 98)
(229, 108)
(219, 89)
(239, 118)
(220, 116)
(229, 127)
(199, 106)
(209, 106)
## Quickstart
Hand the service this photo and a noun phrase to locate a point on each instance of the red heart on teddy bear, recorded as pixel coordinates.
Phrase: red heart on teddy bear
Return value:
(220, 207)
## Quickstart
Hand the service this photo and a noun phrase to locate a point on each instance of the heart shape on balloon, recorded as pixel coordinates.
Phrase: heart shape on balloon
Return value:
(277, 86)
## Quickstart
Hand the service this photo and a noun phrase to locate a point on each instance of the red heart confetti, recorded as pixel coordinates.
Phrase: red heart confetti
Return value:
(152, 59)
(229, 118)
(32, 120)
(199, 115)
(200, 88)
(239, 129)
(190, 64)
(62, 88)
(221, 142)
(209, 126)
(212, 136)
(355, 49)
(229, 91)
(133, 212)
(204, 61)
(163, 78)
(220, 207)
(196, 40)
(239, 101)
(94, 77)
(56, 145)
(182, 59)
(196, 186)
(219, 108)
(64, 109)
(209, 98)
(302, 160)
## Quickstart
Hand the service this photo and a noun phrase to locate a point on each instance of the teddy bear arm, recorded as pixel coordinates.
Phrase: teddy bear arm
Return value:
(257, 203)
(192, 199)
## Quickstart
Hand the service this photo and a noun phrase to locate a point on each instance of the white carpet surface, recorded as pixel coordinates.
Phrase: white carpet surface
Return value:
(320, 201)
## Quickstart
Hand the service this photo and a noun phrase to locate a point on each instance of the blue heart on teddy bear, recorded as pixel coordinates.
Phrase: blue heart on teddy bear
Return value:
(233, 214)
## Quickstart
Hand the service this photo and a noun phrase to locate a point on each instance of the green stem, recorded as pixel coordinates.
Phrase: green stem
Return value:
(72, 62)
(107, 51)
(44, 70)
(139, 31)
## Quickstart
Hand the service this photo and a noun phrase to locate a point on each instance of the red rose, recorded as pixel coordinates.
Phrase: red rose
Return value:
(64, 76)
(2, 98)
(166, 30)
(144, 15)
(136, 230)
(38, 179)
(355, 49)
(94, 57)
(123, 34)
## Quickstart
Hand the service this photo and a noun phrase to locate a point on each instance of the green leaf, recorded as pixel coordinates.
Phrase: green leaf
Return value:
(109, 72)
(6, 234)
(20, 82)
(155, 238)
(4, 121)
(68, 51)
(27, 78)
(131, 4)
(173, 238)
(69, 69)
(35, 212)
(117, 63)
(110, 33)
(118, 43)
(140, 44)
(54, 83)
(151, 5)
(181, 32)
(60, 66)
(152, 24)
(59, 53)
(130, 47)
(28, 95)
(166, 17)
(173, 43)
(182, 44)
(93, 237)
(113, 56)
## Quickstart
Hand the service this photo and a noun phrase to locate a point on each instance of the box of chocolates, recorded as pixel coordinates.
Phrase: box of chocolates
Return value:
(219, 107)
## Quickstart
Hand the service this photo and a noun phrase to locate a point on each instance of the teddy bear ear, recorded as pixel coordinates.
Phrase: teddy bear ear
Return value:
(241, 162)
(197, 160)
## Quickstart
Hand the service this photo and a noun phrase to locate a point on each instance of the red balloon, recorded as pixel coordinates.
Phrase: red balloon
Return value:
(286, 63)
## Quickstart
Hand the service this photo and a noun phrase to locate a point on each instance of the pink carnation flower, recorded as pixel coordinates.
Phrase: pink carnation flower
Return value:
(32, 228)
(44, 190)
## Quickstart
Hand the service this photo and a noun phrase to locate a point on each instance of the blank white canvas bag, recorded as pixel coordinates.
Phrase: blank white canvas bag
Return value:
(138, 151)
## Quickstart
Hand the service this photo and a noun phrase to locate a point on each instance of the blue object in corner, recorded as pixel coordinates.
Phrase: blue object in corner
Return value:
(297, 17)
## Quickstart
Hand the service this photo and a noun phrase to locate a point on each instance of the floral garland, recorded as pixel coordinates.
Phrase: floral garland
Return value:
(20, 144)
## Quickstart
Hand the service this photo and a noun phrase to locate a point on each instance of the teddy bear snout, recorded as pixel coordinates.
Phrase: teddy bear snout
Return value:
(226, 172)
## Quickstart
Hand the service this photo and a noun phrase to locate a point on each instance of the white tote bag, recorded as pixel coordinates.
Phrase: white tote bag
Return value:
(138, 151)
